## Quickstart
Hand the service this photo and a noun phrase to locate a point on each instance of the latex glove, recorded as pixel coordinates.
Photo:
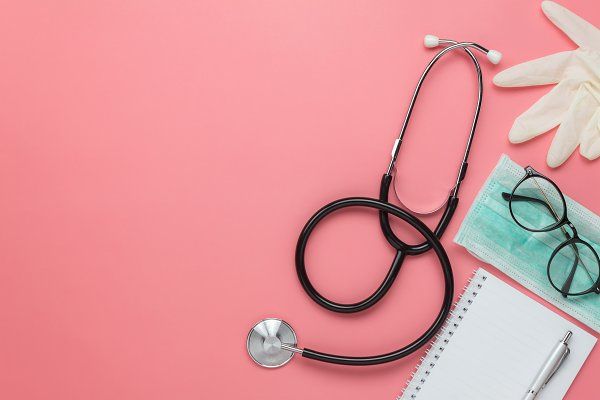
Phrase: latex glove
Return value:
(574, 103)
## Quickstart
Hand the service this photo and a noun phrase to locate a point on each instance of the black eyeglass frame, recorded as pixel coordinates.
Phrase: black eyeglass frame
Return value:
(530, 172)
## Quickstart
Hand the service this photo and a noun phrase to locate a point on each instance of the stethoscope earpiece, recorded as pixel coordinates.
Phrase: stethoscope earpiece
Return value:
(494, 56)
(431, 41)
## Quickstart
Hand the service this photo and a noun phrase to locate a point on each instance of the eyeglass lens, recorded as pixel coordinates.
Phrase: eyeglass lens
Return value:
(537, 204)
(574, 269)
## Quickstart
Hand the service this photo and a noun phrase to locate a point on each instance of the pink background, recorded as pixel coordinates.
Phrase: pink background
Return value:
(158, 160)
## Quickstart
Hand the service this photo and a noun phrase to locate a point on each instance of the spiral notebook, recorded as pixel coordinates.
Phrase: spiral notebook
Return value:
(493, 345)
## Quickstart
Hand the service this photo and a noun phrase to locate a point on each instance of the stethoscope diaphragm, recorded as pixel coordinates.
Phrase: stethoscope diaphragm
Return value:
(267, 342)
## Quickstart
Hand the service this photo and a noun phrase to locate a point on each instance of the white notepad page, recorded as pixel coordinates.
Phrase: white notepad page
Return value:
(493, 345)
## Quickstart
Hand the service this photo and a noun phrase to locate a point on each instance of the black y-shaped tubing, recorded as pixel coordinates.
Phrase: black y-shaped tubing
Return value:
(452, 202)
(382, 289)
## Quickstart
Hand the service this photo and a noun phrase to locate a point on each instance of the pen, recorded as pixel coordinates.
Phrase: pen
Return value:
(552, 364)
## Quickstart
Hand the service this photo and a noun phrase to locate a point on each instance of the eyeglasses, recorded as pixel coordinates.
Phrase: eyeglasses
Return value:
(537, 205)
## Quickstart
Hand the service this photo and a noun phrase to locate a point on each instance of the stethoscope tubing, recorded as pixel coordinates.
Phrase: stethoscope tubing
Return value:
(432, 238)
(388, 232)
(383, 288)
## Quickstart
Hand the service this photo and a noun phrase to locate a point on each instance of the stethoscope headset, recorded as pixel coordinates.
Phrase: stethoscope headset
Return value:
(272, 342)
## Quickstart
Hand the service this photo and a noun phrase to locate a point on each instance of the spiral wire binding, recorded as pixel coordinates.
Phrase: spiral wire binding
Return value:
(426, 363)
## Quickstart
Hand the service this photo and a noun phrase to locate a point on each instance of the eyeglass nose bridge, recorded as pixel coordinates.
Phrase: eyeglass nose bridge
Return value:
(571, 227)
(569, 224)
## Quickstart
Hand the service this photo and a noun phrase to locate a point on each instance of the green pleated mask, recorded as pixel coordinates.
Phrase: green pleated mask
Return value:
(491, 234)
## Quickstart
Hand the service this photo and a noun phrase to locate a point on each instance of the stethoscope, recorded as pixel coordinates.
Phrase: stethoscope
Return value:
(272, 342)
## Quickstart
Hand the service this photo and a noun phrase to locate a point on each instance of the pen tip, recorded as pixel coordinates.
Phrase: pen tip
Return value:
(567, 336)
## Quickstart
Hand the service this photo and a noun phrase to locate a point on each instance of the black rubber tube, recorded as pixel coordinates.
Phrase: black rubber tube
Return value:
(434, 244)
(384, 221)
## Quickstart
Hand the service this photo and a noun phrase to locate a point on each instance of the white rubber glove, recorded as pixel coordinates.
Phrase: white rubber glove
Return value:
(574, 103)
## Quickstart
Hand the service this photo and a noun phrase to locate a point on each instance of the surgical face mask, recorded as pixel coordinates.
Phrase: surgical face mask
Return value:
(492, 235)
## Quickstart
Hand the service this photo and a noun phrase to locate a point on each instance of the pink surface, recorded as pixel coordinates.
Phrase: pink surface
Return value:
(159, 159)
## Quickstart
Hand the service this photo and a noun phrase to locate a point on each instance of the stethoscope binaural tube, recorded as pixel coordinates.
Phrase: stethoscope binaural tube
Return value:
(387, 179)
(382, 289)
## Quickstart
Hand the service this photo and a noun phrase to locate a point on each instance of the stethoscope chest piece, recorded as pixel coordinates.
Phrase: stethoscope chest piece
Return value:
(267, 342)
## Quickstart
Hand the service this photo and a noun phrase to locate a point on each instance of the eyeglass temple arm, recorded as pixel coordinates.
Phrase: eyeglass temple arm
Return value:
(507, 196)
(569, 281)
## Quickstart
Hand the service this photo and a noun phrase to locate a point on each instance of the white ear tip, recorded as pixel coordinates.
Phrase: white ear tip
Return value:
(431, 41)
(494, 56)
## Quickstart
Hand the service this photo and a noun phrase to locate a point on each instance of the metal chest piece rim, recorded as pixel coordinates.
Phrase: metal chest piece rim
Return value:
(270, 343)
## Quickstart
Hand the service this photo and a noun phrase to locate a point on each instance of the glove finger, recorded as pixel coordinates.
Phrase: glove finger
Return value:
(541, 71)
(577, 29)
(568, 135)
(545, 114)
(590, 138)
